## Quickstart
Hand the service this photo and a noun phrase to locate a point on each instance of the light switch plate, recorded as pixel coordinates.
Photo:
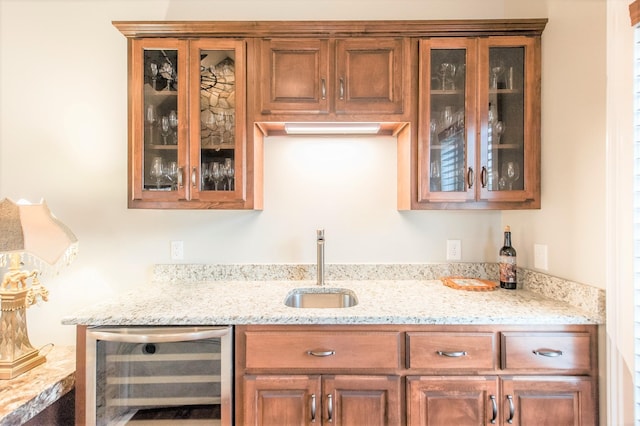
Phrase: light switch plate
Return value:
(540, 259)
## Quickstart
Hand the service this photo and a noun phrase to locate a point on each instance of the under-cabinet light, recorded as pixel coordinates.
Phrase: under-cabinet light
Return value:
(332, 128)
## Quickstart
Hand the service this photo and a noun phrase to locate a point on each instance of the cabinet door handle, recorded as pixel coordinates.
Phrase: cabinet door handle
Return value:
(452, 354)
(483, 177)
(551, 353)
(512, 409)
(313, 408)
(341, 88)
(180, 177)
(321, 353)
(323, 89)
(494, 409)
(329, 408)
(470, 177)
(194, 177)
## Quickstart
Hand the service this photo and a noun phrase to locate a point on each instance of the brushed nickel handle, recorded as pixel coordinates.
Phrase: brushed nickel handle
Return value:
(194, 177)
(494, 409)
(323, 89)
(341, 88)
(180, 177)
(452, 354)
(512, 409)
(321, 353)
(329, 408)
(551, 353)
(470, 177)
(483, 177)
(313, 408)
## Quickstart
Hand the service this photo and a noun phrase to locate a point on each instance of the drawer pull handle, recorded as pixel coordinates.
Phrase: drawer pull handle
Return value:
(512, 409)
(321, 353)
(329, 408)
(323, 89)
(551, 353)
(455, 354)
(494, 409)
(313, 408)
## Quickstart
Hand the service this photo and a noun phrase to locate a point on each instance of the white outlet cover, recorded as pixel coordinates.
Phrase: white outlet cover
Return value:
(540, 257)
(177, 250)
(454, 250)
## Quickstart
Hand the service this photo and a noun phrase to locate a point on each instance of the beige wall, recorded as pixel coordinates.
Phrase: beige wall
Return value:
(63, 137)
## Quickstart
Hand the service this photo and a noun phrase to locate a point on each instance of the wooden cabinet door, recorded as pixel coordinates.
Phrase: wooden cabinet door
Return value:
(369, 75)
(448, 400)
(294, 76)
(361, 400)
(553, 401)
(282, 400)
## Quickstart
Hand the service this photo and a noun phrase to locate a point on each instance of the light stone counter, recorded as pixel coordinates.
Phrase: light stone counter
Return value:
(379, 302)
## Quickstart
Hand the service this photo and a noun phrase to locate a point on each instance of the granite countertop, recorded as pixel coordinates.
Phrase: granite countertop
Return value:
(22, 397)
(379, 302)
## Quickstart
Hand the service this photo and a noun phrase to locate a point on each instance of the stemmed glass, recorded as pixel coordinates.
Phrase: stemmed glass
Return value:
(154, 74)
(173, 123)
(167, 72)
(496, 72)
(151, 118)
(205, 175)
(498, 131)
(511, 173)
(216, 174)
(229, 172)
(165, 129)
(446, 72)
(157, 170)
(172, 173)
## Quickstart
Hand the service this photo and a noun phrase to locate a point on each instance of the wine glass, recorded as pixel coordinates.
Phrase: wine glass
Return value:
(165, 129)
(229, 171)
(498, 131)
(157, 170)
(495, 74)
(172, 173)
(446, 72)
(204, 175)
(511, 173)
(153, 66)
(151, 118)
(173, 123)
(434, 176)
(216, 174)
(167, 72)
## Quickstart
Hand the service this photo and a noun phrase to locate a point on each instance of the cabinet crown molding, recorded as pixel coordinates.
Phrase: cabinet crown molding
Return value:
(247, 29)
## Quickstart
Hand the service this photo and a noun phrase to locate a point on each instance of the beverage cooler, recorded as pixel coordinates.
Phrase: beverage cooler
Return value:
(159, 375)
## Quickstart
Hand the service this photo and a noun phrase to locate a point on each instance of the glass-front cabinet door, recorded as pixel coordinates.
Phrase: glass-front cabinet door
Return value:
(447, 116)
(186, 149)
(479, 136)
(509, 120)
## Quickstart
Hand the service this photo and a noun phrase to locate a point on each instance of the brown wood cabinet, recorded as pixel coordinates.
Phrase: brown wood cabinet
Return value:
(416, 375)
(479, 132)
(328, 79)
(462, 99)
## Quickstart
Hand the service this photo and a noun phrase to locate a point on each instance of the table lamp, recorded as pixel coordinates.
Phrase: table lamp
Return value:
(29, 234)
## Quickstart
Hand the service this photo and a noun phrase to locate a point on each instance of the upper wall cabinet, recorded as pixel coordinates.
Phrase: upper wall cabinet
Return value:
(334, 78)
(187, 120)
(462, 99)
(479, 131)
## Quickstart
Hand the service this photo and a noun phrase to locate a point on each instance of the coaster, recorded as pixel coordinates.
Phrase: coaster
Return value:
(469, 284)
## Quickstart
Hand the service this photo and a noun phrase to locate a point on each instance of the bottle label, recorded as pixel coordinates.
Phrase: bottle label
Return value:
(508, 269)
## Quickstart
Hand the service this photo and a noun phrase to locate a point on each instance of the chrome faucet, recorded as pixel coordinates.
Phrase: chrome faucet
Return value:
(320, 246)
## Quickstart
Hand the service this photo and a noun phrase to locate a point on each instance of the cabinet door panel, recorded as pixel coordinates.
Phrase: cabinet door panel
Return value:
(460, 401)
(295, 76)
(370, 75)
(548, 401)
(362, 400)
(281, 400)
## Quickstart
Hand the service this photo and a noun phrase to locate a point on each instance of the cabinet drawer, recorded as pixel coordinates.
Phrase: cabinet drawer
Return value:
(447, 350)
(546, 350)
(322, 350)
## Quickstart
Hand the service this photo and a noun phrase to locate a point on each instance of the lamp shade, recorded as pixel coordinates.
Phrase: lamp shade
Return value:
(33, 230)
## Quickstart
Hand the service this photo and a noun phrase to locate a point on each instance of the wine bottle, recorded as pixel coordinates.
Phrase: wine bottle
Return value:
(508, 263)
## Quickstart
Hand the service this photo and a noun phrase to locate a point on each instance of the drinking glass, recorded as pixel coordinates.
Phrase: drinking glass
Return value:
(173, 123)
(511, 173)
(172, 174)
(229, 172)
(216, 174)
(165, 129)
(157, 170)
(167, 72)
(446, 72)
(495, 74)
(154, 74)
(151, 119)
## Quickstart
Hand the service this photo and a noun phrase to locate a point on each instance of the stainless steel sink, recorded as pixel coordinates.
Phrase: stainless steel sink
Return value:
(321, 298)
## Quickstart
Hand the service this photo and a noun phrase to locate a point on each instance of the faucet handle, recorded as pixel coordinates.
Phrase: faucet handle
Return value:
(320, 234)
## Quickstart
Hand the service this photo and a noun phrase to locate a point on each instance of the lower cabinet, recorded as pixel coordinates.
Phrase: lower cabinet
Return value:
(472, 400)
(322, 400)
(427, 375)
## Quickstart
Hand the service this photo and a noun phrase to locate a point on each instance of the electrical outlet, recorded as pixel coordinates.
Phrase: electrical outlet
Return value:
(177, 250)
(540, 259)
(454, 250)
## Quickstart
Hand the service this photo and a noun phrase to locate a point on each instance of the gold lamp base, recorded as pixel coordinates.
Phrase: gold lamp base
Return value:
(16, 353)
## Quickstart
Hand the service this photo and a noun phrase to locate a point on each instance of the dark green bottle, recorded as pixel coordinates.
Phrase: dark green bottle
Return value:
(508, 279)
